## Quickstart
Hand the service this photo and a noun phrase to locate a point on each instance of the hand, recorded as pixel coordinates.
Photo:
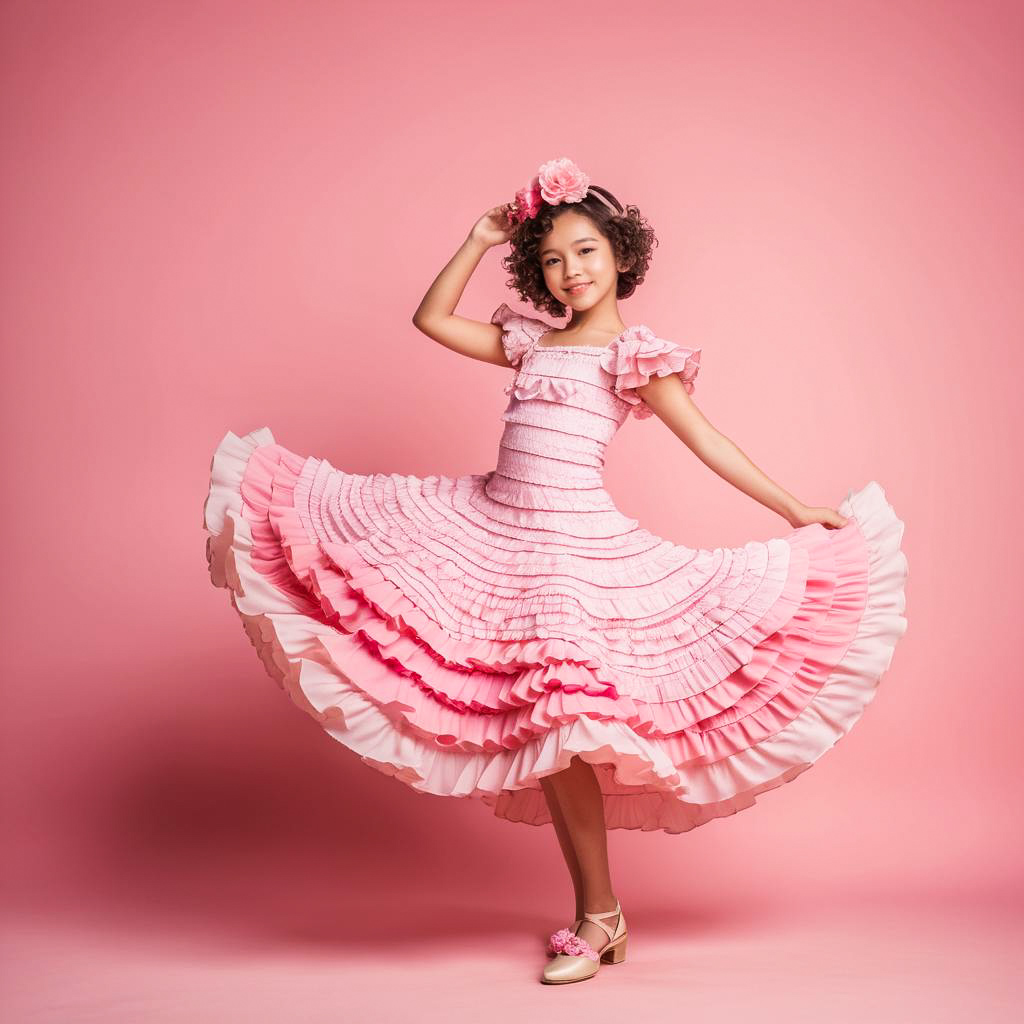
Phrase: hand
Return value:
(805, 516)
(494, 227)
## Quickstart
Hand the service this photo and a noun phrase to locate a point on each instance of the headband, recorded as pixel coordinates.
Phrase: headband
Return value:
(557, 181)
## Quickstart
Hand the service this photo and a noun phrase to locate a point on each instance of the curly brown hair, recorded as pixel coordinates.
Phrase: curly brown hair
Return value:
(631, 237)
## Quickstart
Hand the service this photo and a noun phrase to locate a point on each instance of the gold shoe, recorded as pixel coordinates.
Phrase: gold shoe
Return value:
(575, 959)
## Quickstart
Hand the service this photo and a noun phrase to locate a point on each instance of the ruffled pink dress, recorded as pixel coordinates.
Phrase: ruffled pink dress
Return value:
(470, 635)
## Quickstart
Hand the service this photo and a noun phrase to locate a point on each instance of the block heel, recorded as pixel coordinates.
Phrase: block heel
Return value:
(615, 954)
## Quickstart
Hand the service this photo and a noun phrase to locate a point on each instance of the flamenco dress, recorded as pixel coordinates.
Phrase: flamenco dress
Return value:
(469, 635)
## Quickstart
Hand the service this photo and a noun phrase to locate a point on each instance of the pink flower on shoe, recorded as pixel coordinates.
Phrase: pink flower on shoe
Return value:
(567, 942)
(561, 181)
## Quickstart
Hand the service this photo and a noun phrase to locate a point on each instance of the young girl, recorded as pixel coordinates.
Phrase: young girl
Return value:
(511, 635)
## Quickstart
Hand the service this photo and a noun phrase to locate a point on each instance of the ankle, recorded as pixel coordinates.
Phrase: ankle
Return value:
(600, 904)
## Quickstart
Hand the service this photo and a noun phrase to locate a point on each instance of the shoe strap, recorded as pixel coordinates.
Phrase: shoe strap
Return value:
(596, 918)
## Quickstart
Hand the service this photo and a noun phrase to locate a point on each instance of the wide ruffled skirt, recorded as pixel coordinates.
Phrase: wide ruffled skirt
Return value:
(470, 655)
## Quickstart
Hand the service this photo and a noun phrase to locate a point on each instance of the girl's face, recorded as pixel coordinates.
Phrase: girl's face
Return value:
(575, 253)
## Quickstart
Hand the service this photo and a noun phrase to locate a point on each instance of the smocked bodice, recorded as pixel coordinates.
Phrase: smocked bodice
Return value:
(561, 415)
(566, 403)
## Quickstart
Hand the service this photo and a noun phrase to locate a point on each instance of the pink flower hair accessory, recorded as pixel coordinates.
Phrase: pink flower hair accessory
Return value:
(569, 943)
(558, 181)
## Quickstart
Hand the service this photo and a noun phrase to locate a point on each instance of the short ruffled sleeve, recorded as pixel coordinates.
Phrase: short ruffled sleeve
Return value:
(518, 332)
(637, 355)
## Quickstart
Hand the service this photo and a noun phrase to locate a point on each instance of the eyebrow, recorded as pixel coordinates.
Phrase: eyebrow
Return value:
(577, 242)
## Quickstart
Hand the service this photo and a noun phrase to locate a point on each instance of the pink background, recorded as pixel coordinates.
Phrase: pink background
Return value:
(223, 215)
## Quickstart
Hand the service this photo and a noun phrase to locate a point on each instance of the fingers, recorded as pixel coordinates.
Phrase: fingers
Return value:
(830, 517)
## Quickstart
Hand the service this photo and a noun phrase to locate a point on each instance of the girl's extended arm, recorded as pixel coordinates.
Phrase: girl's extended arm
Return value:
(669, 400)
(435, 316)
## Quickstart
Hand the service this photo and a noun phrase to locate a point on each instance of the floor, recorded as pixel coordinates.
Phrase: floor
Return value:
(954, 959)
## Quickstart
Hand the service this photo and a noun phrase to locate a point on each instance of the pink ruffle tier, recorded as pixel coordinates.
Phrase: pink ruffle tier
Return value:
(470, 656)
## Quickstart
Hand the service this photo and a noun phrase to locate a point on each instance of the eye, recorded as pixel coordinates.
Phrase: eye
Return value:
(586, 248)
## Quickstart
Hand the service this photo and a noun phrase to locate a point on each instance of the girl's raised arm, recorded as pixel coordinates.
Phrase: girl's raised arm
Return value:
(435, 315)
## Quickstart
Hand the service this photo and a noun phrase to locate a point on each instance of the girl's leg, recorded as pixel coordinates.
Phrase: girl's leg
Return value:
(565, 842)
(578, 795)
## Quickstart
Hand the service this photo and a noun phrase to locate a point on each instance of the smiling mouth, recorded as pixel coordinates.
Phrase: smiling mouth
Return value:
(578, 289)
